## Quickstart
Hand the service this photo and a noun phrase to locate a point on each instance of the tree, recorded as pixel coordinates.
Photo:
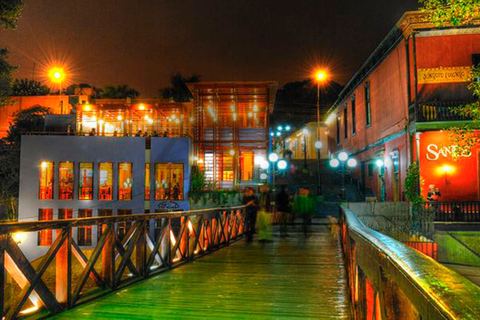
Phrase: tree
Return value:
(27, 120)
(25, 87)
(5, 77)
(178, 89)
(451, 12)
(10, 11)
(122, 91)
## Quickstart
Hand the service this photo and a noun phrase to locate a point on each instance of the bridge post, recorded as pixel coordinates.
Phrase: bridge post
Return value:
(141, 259)
(108, 256)
(63, 269)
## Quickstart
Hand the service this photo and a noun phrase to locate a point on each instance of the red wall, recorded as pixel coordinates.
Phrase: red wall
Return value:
(459, 182)
(446, 51)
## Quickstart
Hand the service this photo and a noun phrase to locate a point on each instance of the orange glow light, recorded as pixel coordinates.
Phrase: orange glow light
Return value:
(141, 107)
(87, 108)
(321, 75)
(56, 74)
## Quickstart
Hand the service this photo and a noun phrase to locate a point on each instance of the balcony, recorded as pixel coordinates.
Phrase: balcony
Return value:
(438, 111)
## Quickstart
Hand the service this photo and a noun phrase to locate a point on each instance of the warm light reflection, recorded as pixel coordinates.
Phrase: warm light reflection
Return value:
(190, 226)
(19, 237)
(172, 238)
(29, 310)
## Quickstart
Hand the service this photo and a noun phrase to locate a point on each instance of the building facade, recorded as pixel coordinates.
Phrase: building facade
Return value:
(400, 99)
(302, 142)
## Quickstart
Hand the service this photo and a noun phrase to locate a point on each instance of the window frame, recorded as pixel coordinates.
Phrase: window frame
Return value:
(40, 181)
(80, 181)
(183, 182)
(345, 122)
(113, 179)
(118, 181)
(354, 115)
(368, 105)
(59, 180)
(65, 210)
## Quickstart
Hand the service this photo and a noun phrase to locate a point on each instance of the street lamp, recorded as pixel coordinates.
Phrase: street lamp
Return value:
(282, 165)
(321, 77)
(273, 158)
(344, 162)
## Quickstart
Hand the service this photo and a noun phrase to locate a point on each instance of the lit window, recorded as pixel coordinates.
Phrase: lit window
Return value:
(147, 181)
(46, 181)
(125, 181)
(105, 183)
(65, 180)
(84, 234)
(168, 181)
(45, 237)
(247, 165)
(65, 214)
(86, 181)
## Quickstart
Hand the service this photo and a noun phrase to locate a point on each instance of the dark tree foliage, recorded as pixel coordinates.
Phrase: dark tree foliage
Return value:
(28, 120)
(178, 89)
(5, 77)
(122, 91)
(10, 12)
(296, 102)
(25, 87)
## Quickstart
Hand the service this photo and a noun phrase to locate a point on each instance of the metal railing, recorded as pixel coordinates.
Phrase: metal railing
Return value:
(467, 211)
(389, 280)
(440, 111)
(129, 248)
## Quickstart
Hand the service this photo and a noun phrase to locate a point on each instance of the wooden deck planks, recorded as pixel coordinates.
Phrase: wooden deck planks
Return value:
(292, 278)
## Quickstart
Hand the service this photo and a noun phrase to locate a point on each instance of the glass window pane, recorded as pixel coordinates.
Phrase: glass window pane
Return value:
(105, 176)
(45, 237)
(84, 234)
(125, 181)
(46, 180)
(247, 165)
(168, 181)
(86, 181)
(147, 181)
(65, 180)
(65, 214)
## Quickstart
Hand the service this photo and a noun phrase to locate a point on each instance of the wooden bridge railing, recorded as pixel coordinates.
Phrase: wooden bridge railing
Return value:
(68, 274)
(389, 280)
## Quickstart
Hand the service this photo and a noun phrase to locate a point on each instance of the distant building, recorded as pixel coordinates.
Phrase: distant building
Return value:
(398, 108)
(130, 156)
(302, 142)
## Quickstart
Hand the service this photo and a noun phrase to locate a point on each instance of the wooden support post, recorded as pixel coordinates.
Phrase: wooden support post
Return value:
(183, 237)
(141, 258)
(63, 270)
(2, 274)
(108, 257)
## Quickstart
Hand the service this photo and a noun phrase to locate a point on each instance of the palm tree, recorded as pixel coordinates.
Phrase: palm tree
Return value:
(25, 87)
(122, 91)
(178, 89)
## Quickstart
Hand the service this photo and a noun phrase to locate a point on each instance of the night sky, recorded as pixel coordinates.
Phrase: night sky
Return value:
(143, 42)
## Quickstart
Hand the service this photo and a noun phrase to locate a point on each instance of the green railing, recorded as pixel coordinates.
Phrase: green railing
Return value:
(389, 280)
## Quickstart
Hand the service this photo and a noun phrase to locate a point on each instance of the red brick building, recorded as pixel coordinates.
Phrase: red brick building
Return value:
(397, 107)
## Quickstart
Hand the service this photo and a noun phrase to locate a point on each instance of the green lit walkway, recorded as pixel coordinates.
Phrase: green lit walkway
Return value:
(292, 278)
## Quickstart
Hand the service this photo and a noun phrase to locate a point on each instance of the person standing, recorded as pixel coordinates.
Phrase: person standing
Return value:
(251, 203)
(264, 219)
(304, 207)
(282, 201)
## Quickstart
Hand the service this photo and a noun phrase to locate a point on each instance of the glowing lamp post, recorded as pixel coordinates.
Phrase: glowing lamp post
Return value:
(344, 162)
(320, 77)
(273, 158)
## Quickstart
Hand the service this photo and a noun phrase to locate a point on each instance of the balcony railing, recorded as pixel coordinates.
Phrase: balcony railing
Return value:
(440, 111)
(129, 249)
(468, 211)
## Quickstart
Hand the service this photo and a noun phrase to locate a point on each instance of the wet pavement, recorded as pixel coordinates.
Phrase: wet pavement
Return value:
(294, 277)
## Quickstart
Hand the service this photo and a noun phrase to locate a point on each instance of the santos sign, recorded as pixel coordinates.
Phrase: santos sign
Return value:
(434, 152)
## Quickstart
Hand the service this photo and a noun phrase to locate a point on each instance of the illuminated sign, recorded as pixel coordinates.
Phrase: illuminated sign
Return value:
(444, 75)
(434, 152)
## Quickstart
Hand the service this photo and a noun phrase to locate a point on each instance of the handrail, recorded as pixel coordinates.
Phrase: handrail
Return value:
(28, 226)
(127, 249)
(435, 291)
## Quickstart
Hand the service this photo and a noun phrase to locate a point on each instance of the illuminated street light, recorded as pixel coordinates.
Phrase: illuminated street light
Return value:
(334, 163)
(279, 134)
(273, 157)
(318, 145)
(56, 74)
(232, 152)
(343, 156)
(282, 165)
(272, 134)
(379, 163)
(264, 165)
(352, 163)
(288, 128)
(264, 176)
(279, 128)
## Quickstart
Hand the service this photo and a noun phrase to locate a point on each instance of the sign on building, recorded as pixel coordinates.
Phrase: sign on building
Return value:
(444, 75)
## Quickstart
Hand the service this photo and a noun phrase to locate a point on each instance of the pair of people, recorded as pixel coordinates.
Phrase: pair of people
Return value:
(303, 207)
(433, 193)
(258, 212)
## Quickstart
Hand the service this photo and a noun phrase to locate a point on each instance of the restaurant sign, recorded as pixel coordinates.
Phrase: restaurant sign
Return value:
(444, 75)
(434, 152)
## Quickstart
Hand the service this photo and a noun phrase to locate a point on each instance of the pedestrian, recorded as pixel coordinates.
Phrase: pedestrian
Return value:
(304, 207)
(282, 201)
(251, 203)
(264, 218)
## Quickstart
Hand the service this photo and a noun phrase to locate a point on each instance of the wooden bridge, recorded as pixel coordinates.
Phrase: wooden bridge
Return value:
(196, 264)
